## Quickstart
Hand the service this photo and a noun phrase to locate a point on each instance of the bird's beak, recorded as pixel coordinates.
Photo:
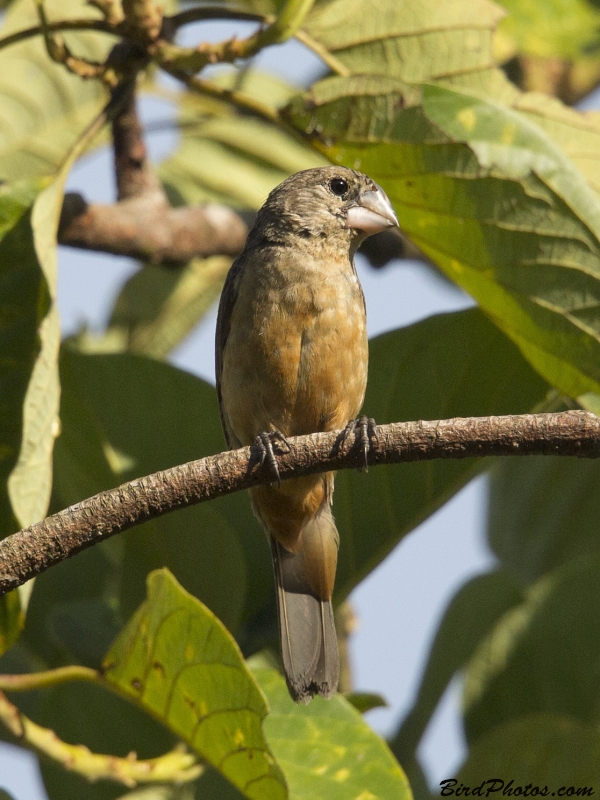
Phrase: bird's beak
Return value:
(372, 213)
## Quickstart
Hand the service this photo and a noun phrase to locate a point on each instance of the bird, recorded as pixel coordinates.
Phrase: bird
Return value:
(291, 359)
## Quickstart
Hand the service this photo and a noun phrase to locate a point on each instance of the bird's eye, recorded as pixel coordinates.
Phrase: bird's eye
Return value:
(338, 186)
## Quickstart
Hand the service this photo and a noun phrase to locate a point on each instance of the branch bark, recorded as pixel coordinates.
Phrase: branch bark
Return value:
(142, 224)
(33, 550)
(146, 227)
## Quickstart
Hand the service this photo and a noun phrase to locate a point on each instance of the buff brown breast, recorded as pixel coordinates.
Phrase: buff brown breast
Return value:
(291, 359)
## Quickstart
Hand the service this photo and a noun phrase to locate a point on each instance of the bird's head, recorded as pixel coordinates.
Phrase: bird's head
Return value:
(327, 202)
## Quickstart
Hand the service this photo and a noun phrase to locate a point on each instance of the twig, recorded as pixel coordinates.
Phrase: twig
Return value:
(63, 25)
(33, 550)
(175, 766)
(243, 101)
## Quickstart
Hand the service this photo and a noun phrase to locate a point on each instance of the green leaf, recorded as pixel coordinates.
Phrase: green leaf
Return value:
(24, 299)
(142, 416)
(366, 701)
(4, 795)
(543, 750)
(176, 660)
(416, 40)
(42, 106)
(157, 307)
(326, 749)
(543, 512)
(451, 365)
(30, 481)
(230, 158)
(555, 28)
(471, 614)
(542, 656)
(489, 197)
(11, 620)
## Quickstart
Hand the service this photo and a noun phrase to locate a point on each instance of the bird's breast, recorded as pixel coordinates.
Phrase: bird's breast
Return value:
(296, 356)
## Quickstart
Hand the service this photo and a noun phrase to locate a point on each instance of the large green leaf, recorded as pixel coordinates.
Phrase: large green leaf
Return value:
(230, 158)
(43, 107)
(327, 750)
(449, 365)
(488, 196)
(177, 661)
(543, 512)
(544, 750)
(141, 416)
(158, 307)
(416, 40)
(472, 612)
(542, 656)
(30, 481)
(25, 302)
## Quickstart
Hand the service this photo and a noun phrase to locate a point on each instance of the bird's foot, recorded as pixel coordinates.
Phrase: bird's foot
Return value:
(366, 428)
(264, 441)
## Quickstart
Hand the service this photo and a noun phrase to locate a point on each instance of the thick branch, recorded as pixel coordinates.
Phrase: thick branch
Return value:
(145, 227)
(30, 552)
(133, 173)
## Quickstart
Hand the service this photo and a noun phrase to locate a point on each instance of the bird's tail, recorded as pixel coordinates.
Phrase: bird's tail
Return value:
(304, 584)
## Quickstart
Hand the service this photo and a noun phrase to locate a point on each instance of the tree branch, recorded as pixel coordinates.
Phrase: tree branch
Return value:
(149, 229)
(33, 550)
(142, 224)
(175, 766)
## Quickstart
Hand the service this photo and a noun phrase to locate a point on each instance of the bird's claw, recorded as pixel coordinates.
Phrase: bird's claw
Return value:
(264, 441)
(366, 428)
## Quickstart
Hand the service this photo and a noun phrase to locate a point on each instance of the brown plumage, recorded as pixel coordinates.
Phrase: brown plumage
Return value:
(291, 355)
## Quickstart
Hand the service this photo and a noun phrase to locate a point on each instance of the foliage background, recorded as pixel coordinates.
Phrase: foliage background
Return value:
(549, 534)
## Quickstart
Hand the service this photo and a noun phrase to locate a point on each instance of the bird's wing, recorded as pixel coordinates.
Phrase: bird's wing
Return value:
(226, 306)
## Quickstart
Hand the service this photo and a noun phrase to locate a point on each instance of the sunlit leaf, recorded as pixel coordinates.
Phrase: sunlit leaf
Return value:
(489, 197)
(157, 308)
(326, 749)
(415, 40)
(552, 28)
(176, 660)
(230, 158)
(43, 107)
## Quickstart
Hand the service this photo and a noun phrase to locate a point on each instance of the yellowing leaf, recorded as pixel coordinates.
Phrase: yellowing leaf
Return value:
(176, 660)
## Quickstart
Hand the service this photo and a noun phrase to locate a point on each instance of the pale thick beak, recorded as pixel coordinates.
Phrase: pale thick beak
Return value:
(373, 213)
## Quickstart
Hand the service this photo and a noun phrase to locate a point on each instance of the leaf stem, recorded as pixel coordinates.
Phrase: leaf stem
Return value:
(64, 25)
(288, 21)
(30, 681)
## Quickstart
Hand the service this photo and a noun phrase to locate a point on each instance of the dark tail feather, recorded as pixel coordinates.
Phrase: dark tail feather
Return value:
(309, 647)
